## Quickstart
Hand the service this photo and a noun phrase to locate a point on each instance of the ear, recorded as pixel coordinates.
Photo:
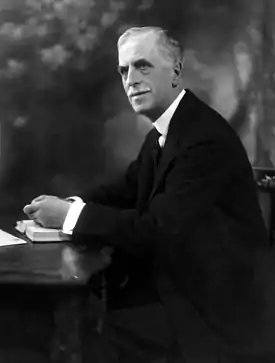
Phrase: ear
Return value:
(178, 66)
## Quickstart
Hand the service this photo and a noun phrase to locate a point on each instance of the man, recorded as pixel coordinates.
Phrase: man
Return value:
(192, 278)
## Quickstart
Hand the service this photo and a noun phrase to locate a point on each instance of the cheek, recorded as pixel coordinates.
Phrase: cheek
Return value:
(161, 81)
(164, 86)
(125, 90)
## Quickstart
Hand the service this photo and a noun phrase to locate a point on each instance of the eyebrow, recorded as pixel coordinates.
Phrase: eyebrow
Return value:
(141, 61)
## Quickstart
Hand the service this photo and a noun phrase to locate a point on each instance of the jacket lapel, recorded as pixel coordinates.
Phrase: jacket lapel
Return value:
(179, 125)
(168, 154)
(146, 176)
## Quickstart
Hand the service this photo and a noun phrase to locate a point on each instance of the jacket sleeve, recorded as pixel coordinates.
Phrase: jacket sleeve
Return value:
(192, 187)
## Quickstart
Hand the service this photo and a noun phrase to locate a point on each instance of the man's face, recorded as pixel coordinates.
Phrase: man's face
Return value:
(146, 75)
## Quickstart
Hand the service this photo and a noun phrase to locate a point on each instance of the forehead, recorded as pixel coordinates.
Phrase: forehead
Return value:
(138, 47)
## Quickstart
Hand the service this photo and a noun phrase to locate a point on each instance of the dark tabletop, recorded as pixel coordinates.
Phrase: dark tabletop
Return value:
(49, 263)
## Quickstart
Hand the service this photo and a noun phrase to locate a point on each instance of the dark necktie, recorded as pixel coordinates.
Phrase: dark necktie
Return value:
(156, 152)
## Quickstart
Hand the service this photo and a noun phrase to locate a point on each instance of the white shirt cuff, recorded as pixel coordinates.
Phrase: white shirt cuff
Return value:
(73, 214)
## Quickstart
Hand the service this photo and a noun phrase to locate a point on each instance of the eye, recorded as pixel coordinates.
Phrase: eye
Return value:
(143, 65)
(122, 70)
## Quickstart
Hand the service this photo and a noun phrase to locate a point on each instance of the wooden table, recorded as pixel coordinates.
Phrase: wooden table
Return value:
(65, 271)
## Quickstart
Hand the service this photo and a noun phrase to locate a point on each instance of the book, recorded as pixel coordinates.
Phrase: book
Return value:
(38, 233)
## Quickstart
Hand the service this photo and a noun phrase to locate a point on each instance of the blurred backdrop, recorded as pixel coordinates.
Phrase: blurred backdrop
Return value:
(65, 123)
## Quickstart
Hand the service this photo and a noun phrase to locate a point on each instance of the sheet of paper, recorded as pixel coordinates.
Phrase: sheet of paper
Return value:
(7, 239)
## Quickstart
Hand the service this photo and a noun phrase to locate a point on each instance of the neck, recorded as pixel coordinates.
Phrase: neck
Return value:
(177, 91)
(153, 115)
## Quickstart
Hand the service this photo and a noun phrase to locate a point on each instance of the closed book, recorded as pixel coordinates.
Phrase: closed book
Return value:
(37, 233)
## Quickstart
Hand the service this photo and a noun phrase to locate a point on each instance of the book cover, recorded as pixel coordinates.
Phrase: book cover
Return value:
(37, 233)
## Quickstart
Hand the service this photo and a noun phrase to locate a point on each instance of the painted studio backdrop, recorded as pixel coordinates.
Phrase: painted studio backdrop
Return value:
(65, 123)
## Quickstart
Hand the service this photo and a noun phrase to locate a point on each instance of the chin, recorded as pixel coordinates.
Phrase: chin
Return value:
(141, 109)
(143, 112)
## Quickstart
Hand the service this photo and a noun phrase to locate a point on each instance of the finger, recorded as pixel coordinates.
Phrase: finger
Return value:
(37, 221)
(30, 208)
(32, 216)
(35, 218)
(39, 198)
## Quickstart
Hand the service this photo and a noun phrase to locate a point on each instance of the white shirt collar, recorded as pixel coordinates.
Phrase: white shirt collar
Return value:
(162, 123)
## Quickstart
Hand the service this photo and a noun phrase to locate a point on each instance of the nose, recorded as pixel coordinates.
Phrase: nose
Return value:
(133, 77)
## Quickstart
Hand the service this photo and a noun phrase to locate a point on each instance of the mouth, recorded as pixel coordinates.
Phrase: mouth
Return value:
(139, 93)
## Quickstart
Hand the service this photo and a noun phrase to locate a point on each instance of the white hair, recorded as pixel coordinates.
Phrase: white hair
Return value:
(168, 46)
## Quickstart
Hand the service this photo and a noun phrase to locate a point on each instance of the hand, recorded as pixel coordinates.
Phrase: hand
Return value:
(48, 211)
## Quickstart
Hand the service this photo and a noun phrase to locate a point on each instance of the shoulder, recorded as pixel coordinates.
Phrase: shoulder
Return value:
(203, 125)
(206, 122)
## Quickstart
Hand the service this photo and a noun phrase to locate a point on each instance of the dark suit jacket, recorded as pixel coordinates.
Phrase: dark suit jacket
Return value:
(194, 236)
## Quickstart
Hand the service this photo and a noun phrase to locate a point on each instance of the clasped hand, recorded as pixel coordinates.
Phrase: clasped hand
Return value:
(48, 211)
